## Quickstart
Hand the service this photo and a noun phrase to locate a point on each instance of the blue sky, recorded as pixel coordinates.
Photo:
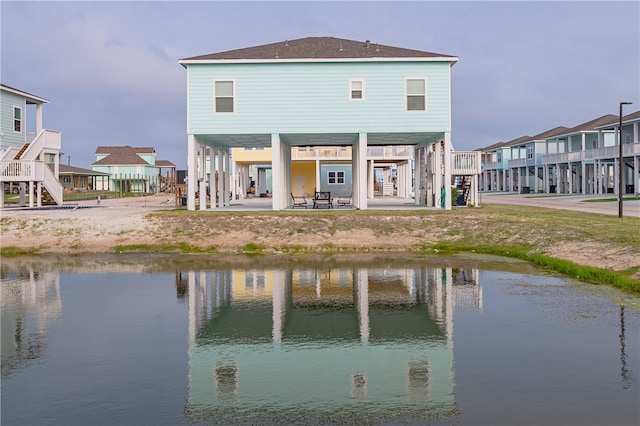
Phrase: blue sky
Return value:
(110, 69)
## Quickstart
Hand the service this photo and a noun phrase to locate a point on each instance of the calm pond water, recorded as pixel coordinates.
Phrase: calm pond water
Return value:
(151, 340)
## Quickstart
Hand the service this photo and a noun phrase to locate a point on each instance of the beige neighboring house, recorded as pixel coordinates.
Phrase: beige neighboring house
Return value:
(78, 179)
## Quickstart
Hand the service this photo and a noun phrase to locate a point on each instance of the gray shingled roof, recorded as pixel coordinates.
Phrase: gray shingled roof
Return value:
(164, 163)
(556, 131)
(615, 121)
(518, 141)
(72, 170)
(115, 149)
(592, 125)
(319, 48)
(122, 155)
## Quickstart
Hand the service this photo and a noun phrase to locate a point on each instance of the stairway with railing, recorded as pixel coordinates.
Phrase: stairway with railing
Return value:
(26, 164)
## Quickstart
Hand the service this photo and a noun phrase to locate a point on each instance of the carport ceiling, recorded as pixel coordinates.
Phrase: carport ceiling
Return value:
(316, 139)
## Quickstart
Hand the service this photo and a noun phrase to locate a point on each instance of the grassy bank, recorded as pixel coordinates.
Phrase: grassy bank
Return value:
(527, 233)
(595, 248)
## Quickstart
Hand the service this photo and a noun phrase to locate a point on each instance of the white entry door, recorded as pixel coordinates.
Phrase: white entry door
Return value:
(298, 185)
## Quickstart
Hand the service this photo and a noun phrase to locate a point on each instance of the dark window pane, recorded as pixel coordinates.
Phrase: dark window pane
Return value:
(224, 104)
(415, 103)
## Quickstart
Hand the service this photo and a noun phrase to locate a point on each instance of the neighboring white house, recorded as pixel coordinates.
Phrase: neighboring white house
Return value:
(25, 157)
(297, 95)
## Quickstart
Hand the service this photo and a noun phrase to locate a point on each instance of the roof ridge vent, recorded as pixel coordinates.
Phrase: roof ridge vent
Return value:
(286, 42)
(366, 43)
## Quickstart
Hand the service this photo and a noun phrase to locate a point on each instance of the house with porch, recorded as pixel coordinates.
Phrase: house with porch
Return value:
(525, 170)
(130, 169)
(317, 101)
(568, 168)
(606, 156)
(74, 178)
(29, 154)
(583, 159)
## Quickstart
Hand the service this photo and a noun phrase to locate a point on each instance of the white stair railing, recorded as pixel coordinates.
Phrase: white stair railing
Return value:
(51, 183)
(46, 139)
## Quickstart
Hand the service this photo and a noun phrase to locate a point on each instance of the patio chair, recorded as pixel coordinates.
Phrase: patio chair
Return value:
(299, 201)
(344, 200)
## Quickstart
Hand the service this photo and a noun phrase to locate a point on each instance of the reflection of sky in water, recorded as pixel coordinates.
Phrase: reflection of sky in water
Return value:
(335, 344)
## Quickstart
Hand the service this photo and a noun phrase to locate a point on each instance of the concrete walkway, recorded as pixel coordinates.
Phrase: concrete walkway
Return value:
(630, 208)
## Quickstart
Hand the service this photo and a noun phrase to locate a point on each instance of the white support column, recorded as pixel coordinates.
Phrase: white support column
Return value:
(569, 178)
(437, 175)
(192, 172)
(545, 177)
(504, 181)
(418, 155)
(212, 180)
(288, 175)
(318, 178)
(38, 118)
(636, 174)
(279, 304)
(362, 291)
(279, 201)
(220, 169)
(474, 188)
(202, 178)
(370, 178)
(447, 169)
(38, 194)
(228, 176)
(360, 176)
(31, 194)
(616, 181)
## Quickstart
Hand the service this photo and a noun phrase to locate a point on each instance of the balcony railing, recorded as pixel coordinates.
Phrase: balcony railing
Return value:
(518, 162)
(21, 170)
(610, 152)
(465, 163)
(492, 165)
(344, 153)
(567, 157)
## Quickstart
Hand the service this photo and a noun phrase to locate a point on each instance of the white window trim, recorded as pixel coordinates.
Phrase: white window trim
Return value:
(350, 94)
(13, 119)
(213, 98)
(529, 153)
(426, 103)
(337, 178)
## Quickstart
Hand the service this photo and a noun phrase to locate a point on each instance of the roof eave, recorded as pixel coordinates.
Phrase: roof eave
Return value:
(33, 98)
(184, 62)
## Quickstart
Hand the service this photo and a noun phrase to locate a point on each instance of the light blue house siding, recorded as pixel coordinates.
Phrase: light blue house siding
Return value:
(336, 188)
(133, 178)
(314, 98)
(10, 138)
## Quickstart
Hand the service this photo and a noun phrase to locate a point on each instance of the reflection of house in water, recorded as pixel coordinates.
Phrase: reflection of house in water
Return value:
(30, 300)
(323, 342)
